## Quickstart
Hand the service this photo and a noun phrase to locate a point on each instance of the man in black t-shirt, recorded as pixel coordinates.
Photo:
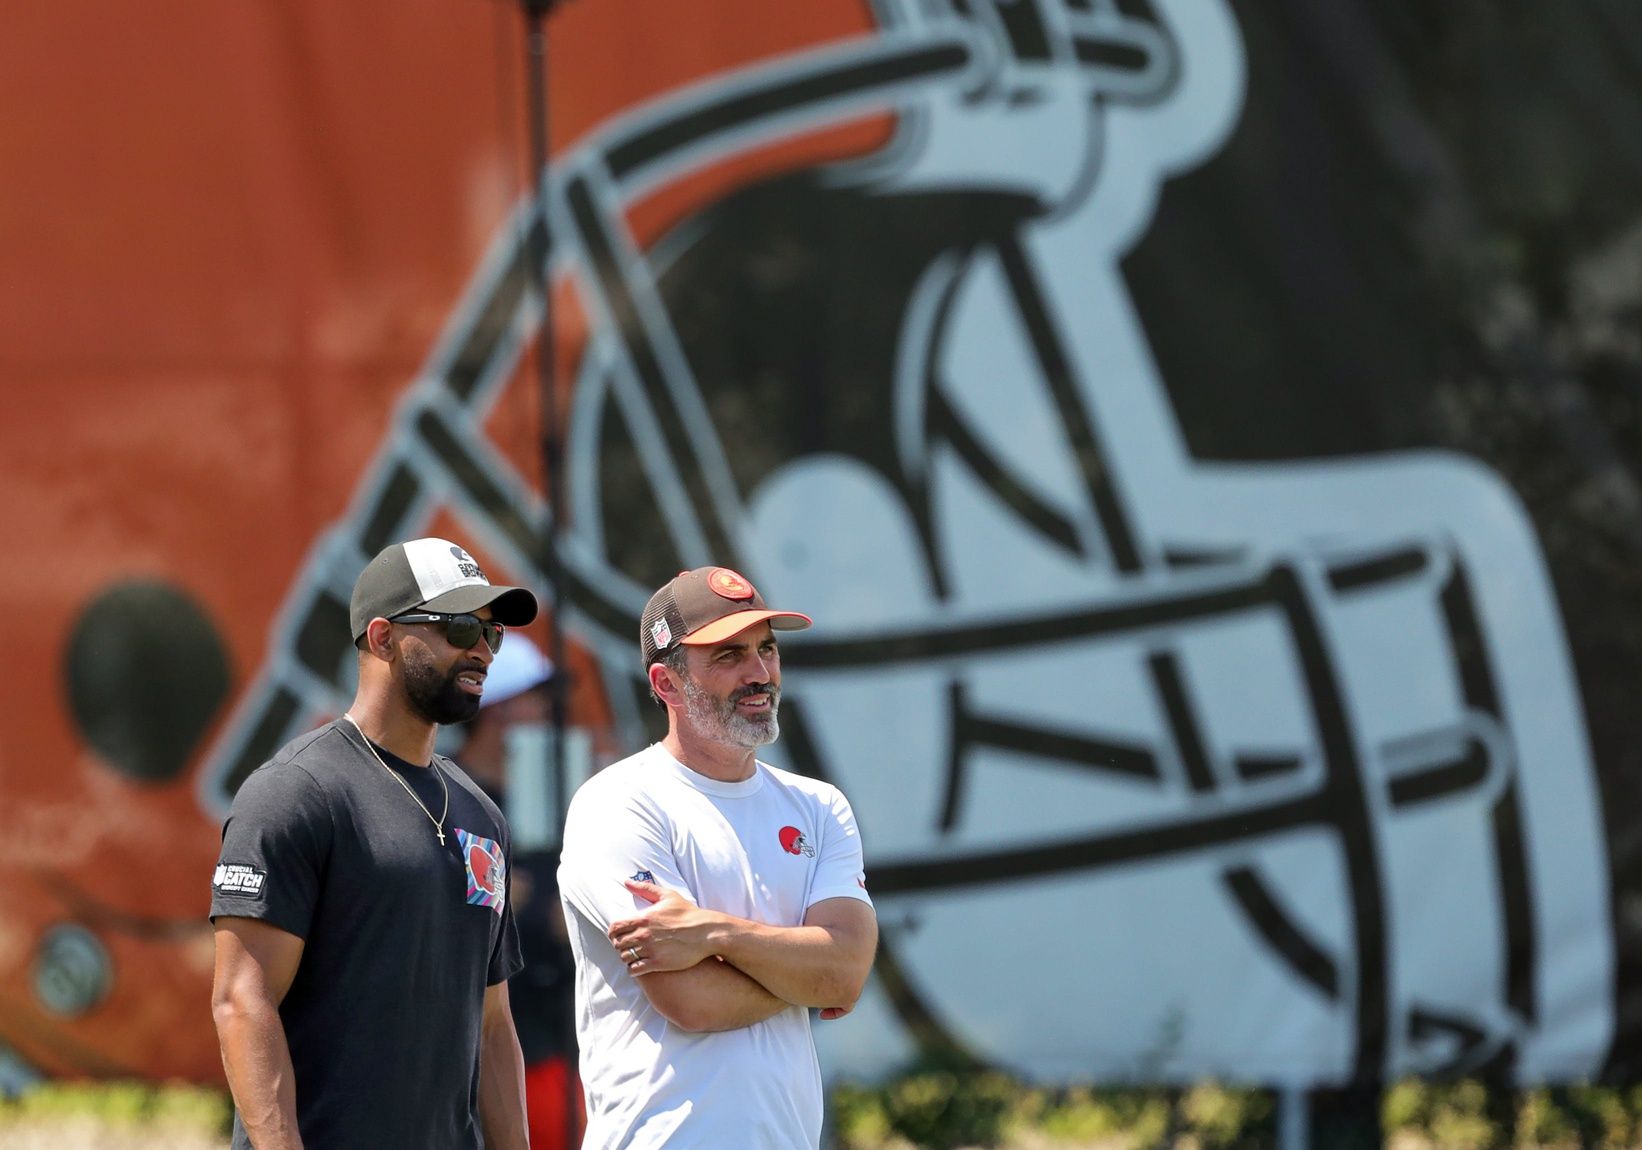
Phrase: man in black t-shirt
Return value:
(364, 935)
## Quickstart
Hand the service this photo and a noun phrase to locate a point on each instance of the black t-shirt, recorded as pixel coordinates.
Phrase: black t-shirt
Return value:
(543, 993)
(402, 936)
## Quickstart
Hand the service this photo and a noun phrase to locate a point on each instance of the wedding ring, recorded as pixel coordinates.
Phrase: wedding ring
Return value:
(633, 953)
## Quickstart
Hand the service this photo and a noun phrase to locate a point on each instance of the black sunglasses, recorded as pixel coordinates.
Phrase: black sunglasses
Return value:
(461, 631)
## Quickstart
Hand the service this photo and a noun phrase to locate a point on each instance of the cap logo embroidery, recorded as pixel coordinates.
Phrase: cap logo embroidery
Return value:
(466, 564)
(438, 566)
(660, 633)
(729, 585)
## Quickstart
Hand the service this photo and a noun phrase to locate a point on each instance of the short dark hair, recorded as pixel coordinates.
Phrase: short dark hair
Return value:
(673, 660)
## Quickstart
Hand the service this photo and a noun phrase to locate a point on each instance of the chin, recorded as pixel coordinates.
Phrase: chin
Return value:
(758, 735)
(450, 711)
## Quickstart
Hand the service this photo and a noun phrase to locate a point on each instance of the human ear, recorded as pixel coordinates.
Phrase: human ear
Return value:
(665, 684)
(379, 638)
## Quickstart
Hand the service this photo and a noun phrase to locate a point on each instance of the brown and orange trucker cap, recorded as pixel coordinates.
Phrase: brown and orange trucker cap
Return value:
(705, 606)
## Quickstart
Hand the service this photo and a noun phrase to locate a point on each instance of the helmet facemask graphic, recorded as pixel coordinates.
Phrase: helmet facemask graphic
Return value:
(1259, 739)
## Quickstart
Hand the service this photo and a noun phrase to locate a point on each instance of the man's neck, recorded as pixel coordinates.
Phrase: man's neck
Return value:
(727, 764)
(395, 730)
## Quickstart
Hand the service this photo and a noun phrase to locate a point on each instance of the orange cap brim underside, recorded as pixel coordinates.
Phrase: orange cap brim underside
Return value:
(730, 625)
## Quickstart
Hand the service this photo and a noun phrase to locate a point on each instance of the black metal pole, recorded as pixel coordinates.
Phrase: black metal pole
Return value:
(538, 250)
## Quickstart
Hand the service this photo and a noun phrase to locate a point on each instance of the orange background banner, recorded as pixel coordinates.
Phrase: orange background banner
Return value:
(1009, 339)
(230, 235)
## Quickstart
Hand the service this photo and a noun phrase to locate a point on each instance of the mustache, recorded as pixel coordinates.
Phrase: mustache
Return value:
(751, 689)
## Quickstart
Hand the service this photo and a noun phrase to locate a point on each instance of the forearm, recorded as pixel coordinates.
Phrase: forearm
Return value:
(502, 1088)
(257, 1061)
(823, 966)
(709, 997)
(823, 962)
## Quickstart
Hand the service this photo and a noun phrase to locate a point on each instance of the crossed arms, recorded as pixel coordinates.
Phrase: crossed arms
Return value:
(706, 971)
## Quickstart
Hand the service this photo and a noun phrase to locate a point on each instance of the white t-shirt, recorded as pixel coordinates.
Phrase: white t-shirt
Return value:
(766, 849)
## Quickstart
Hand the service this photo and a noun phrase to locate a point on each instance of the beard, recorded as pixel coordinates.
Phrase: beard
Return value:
(434, 696)
(719, 720)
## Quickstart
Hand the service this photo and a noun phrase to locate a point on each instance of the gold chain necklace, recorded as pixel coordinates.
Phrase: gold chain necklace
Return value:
(438, 823)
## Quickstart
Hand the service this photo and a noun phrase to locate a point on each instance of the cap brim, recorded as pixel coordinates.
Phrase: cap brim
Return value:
(721, 629)
(509, 606)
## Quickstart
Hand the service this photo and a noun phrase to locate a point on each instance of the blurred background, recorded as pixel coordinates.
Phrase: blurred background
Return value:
(1205, 433)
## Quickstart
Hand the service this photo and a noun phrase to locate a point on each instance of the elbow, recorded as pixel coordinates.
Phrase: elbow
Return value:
(231, 1010)
(226, 1013)
(695, 1014)
(683, 1016)
(224, 1009)
(845, 993)
(854, 992)
(851, 979)
(682, 1000)
(679, 1011)
(843, 986)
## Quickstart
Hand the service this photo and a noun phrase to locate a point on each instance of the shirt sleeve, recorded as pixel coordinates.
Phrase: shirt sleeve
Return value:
(605, 844)
(839, 871)
(274, 849)
(506, 957)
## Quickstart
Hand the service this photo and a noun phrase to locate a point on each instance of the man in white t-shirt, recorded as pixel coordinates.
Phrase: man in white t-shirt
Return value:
(712, 899)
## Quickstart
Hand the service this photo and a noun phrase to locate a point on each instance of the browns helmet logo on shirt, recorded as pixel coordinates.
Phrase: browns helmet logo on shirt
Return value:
(794, 842)
(486, 870)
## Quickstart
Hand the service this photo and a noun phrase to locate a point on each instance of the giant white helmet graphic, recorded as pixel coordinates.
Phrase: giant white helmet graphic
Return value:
(1164, 767)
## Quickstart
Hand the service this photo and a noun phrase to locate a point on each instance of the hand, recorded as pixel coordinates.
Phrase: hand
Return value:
(673, 934)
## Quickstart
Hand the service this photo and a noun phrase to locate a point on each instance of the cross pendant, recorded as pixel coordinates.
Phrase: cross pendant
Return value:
(441, 835)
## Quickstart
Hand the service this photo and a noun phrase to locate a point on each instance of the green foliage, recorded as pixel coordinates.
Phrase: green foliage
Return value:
(1603, 1118)
(1225, 1119)
(943, 1108)
(1468, 1116)
(1444, 1114)
(1459, 1118)
(948, 1108)
(189, 1112)
(1543, 1122)
(1086, 1115)
(858, 1117)
(1406, 1106)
